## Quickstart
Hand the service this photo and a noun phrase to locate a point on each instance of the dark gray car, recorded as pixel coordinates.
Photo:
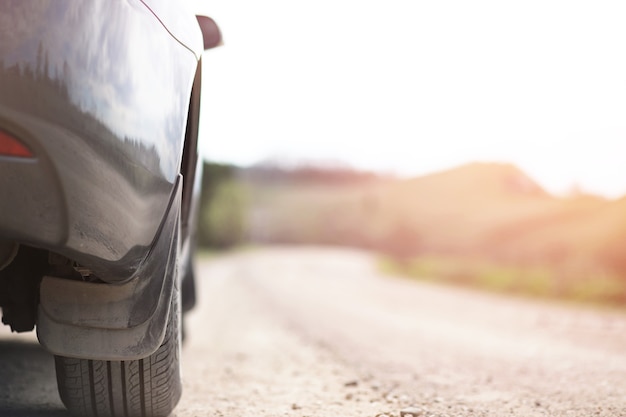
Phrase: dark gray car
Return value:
(99, 109)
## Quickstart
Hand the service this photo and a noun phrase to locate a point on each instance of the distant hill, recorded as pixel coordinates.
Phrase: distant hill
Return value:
(486, 219)
(480, 209)
(494, 179)
(455, 210)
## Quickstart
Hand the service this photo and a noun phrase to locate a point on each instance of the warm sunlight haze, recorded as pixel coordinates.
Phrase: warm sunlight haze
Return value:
(415, 87)
(341, 208)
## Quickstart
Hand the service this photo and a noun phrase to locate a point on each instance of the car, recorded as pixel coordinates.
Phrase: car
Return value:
(99, 115)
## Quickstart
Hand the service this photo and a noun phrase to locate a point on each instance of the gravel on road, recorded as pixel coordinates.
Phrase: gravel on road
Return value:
(318, 332)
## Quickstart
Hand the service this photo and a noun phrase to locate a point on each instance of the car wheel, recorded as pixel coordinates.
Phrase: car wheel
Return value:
(149, 387)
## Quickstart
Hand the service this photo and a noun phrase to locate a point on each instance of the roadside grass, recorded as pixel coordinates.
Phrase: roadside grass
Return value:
(581, 284)
(204, 253)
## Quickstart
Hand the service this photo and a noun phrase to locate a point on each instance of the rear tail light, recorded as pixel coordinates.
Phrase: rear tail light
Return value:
(10, 146)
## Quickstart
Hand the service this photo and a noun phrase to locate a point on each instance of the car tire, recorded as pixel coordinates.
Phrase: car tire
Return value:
(149, 387)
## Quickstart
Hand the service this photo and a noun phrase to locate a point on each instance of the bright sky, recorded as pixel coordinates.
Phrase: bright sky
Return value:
(414, 86)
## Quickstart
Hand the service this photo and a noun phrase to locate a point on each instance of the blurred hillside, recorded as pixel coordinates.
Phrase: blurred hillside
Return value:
(479, 224)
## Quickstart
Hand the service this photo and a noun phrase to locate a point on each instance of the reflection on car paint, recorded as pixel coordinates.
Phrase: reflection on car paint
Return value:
(72, 76)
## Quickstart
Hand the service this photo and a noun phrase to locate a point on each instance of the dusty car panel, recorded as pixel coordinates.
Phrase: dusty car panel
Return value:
(113, 322)
(74, 102)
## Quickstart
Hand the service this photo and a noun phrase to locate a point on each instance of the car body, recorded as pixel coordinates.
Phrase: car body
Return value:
(99, 111)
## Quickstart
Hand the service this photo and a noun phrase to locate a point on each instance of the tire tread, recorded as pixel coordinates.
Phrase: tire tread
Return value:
(149, 387)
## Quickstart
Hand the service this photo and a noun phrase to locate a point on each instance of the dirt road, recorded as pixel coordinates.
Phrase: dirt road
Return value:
(319, 332)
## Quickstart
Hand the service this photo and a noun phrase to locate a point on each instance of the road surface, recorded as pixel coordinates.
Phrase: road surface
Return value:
(307, 332)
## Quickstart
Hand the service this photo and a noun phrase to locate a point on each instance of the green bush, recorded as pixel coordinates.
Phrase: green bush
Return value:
(223, 208)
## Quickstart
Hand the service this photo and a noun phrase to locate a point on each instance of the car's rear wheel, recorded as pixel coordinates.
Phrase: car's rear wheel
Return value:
(149, 387)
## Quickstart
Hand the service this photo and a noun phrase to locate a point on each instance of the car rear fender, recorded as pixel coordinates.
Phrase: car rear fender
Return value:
(114, 321)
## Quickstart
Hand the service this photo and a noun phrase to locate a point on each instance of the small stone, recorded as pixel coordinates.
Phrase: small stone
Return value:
(295, 406)
(349, 396)
(411, 412)
(354, 383)
(391, 398)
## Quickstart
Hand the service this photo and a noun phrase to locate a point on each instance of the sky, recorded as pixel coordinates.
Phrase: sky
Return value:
(411, 87)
